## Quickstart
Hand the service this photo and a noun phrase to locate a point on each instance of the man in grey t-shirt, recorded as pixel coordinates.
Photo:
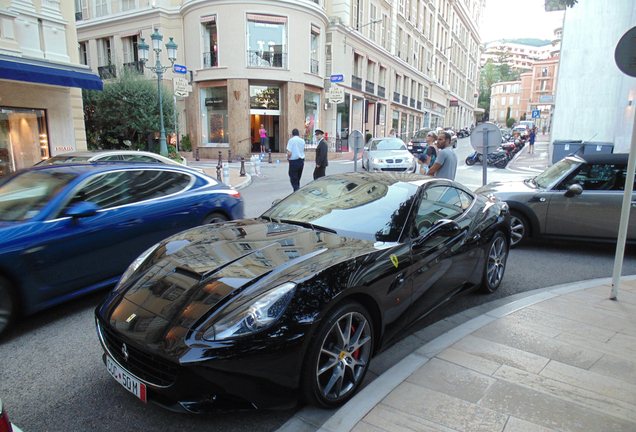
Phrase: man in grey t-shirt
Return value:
(445, 165)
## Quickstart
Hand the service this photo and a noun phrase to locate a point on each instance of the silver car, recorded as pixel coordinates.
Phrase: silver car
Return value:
(387, 154)
(577, 197)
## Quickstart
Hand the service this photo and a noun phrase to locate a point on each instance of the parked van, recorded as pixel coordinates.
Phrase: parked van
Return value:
(530, 124)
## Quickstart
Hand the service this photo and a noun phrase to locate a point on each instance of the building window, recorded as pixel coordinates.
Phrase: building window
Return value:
(23, 138)
(81, 10)
(312, 103)
(210, 42)
(215, 115)
(342, 119)
(372, 12)
(83, 54)
(105, 68)
(131, 55)
(101, 8)
(128, 5)
(315, 36)
(267, 41)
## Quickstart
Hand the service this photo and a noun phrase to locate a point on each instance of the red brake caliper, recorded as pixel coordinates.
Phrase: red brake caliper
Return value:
(356, 353)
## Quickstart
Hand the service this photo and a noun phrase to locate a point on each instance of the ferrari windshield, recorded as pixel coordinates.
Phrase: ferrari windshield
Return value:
(362, 208)
(24, 195)
(555, 172)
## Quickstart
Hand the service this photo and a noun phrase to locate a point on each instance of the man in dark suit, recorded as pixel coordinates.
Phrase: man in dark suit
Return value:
(322, 161)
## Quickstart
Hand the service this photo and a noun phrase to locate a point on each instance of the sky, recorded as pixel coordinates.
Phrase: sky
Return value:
(511, 19)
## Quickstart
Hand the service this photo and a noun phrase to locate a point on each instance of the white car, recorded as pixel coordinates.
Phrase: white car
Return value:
(388, 154)
(113, 155)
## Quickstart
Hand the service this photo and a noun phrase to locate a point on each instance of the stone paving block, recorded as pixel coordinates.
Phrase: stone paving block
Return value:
(453, 380)
(501, 354)
(593, 345)
(444, 410)
(624, 341)
(550, 411)
(295, 424)
(517, 425)
(478, 364)
(366, 427)
(439, 328)
(390, 357)
(592, 381)
(567, 392)
(627, 296)
(591, 295)
(533, 317)
(544, 328)
(613, 307)
(564, 308)
(616, 367)
(518, 336)
(618, 325)
(392, 420)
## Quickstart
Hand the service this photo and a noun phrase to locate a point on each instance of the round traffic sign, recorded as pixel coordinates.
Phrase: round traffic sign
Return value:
(488, 131)
(625, 53)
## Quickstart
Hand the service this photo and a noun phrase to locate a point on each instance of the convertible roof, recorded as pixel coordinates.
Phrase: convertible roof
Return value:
(614, 158)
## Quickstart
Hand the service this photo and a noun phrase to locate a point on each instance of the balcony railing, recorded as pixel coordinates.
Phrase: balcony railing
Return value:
(107, 72)
(369, 87)
(412, 104)
(314, 66)
(356, 82)
(266, 59)
(210, 60)
(396, 97)
(136, 66)
(405, 100)
(381, 91)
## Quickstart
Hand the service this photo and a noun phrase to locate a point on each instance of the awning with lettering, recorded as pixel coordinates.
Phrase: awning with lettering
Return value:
(129, 33)
(208, 19)
(42, 72)
(266, 18)
(315, 29)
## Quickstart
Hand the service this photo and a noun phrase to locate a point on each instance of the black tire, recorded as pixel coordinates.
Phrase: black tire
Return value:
(495, 265)
(470, 160)
(214, 217)
(519, 228)
(8, 305)
(501, 163)
(335, 368)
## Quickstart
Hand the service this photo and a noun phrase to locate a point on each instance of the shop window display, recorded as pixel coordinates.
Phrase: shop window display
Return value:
(23, 138)
(215, 112)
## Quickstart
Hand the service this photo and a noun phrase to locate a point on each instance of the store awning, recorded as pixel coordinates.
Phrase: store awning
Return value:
(52, 74)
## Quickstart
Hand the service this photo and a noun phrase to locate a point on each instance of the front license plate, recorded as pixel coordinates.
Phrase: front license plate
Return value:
(131, 384)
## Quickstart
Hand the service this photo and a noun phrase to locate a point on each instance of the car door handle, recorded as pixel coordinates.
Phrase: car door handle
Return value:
(131, 222)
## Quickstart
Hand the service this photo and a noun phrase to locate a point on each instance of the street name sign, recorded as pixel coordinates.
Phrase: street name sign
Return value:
(181, 87)
(337, 78)
(336, 95)
(180, 69)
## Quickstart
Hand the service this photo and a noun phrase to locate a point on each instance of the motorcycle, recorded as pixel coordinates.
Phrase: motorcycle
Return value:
(499, 158)
(463, 133)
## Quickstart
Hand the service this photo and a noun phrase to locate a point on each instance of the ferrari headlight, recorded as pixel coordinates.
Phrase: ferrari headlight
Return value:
(377, 160)
(135, 265)
(253, 317)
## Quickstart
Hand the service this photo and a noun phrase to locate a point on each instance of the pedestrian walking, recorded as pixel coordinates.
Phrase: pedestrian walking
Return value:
(263, 133)
(296, 158)
(392, 133)
(533, 135)
(322, 161)
(545, 127)
(445, 165)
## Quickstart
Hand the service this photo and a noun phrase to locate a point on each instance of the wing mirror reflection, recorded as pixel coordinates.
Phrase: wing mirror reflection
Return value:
(82, 209)
(446, 227)
(574, 189)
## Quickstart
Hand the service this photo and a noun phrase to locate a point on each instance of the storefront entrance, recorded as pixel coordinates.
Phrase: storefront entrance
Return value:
(271, 123)
(23, 138)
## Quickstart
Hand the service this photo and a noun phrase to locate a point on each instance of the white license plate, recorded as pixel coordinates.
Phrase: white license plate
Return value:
(131, 384)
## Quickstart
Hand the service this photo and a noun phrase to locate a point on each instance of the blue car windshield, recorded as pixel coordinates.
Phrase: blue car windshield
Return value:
(24, 195)
(364, 208)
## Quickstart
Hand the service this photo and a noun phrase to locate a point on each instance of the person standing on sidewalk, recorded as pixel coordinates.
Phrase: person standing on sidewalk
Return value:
(445, 165)
(322, 160)
(533, 136)
(263, 133)
(296, 158)
(545, 127)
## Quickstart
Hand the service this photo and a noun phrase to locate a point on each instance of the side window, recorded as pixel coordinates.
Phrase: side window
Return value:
(105, 190)
(465, 199)
(438, 202)
(150, 184)
(596, 177)
(109, 158)
(140, 158)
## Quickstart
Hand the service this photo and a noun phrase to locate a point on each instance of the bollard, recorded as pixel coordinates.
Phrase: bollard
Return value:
(197, 154)
(270, 155)
(220, 158)
(258, 167)
(226, 174)
(218, 172)
(253, 161)
(229, 156)
(242, 174)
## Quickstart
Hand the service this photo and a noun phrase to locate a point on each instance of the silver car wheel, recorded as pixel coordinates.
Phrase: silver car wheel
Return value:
(517, 230)
(496, 261)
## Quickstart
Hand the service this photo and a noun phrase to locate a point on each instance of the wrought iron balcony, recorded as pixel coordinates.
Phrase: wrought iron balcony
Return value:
(266, 59)
(356, 82)
(314, 66)
(210, 60)
(405, 100)
(136, 66)
(396, 97)
(107, 72)
(369, 87)
(381, 91)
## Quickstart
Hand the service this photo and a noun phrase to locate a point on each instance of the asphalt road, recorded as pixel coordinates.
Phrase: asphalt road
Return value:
(52, 377)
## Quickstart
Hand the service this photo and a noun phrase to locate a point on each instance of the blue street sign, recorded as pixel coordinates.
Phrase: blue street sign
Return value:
(180, 69)
(536, 114)
(337, 78)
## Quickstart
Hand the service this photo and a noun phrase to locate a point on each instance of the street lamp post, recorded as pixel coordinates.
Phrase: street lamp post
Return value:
(159, 69)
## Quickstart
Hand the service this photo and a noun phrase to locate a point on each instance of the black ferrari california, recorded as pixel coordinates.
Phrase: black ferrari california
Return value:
(257, 313)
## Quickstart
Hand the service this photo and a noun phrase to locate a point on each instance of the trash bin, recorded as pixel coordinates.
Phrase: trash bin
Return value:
(563, 148)
(598, 148)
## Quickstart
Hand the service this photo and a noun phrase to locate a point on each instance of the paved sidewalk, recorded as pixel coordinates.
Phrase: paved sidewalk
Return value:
(561, 358)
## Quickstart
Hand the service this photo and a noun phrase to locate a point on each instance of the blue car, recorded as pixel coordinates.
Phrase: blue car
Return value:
(69, 229)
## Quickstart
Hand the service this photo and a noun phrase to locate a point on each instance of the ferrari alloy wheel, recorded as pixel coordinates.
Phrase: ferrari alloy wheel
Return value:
(213, 218)
(518, 228)
(8, 305)
(495, 263)
(339, 356)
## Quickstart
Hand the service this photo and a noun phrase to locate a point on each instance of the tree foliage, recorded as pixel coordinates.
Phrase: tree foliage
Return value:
(126, 110)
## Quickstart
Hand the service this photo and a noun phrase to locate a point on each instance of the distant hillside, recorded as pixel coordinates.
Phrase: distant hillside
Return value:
(525, 41)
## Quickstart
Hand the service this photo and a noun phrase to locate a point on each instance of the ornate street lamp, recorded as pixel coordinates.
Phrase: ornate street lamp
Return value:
(143, 49)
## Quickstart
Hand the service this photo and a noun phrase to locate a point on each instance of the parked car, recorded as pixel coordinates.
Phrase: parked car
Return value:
(253, 313)
(417, 144)
(113, 155)
(68, 229)
(579, 197)
(5, 424)
(520, 131)
(387, 154)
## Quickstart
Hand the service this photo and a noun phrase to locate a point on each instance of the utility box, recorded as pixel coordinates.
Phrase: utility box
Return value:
(598, 148)
(563, 148)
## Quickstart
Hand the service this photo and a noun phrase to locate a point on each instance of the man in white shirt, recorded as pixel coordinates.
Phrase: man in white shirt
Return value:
(296, 158)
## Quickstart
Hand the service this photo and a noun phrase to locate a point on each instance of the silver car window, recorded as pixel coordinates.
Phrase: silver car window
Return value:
(596, 177)
(550, 176)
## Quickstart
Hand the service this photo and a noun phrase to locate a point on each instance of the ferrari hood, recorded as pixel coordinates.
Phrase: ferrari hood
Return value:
(515, 186)
(195, 270)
